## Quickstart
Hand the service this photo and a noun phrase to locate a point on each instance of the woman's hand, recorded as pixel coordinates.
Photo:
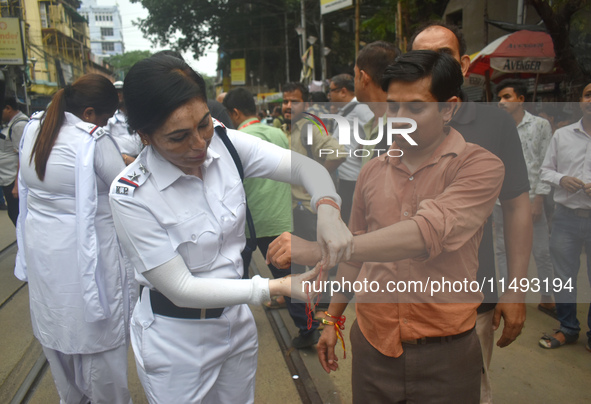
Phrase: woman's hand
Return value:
(299, 286)
(335, 239)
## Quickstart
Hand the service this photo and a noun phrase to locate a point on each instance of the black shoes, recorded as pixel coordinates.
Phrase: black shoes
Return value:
(306, 340)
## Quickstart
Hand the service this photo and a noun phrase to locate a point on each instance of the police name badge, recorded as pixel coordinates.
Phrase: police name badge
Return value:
(122, 190)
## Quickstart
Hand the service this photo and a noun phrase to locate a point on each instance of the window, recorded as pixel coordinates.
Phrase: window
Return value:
(108, 46)
(106, 31)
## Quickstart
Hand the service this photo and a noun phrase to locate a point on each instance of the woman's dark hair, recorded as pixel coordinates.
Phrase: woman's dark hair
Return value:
(444, 70)
(155, 87)
(89, 91)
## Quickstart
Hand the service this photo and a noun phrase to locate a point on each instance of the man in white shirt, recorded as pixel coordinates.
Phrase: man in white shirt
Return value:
(535, 134)
(342, 93)
(10, 139)
(566, 168)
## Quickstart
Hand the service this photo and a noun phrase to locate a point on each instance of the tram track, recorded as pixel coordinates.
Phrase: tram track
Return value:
(27, 371)
(304, 382)
(23, 373)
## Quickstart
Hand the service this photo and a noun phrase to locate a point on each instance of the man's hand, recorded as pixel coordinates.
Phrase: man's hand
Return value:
(512, 308)
(537, 208)
(587, 189)
(15, 190)
(326, 343)
(571, 184)
(287, 247)
(334, 237)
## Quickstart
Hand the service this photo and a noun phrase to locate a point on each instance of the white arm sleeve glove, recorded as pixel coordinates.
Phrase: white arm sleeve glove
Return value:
(174, 280)
(298, 169)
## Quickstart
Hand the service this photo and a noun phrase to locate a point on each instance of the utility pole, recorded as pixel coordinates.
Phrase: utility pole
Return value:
(357, 17)
(286, 51)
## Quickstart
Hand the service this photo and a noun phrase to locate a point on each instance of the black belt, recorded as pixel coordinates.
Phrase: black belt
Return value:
(437, 340)
(164, 307)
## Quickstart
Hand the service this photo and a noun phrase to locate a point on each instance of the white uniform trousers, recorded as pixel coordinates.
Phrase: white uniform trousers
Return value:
(195, 361)
(100, 378)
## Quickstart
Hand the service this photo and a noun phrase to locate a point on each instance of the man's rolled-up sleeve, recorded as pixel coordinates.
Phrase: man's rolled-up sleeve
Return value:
(449, 220)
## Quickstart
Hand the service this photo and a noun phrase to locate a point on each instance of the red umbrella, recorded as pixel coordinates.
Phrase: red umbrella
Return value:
(519, 52)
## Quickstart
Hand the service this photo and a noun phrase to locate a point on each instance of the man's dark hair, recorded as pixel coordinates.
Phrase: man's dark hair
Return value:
(291, 87)
(444, 70)
(318, 96)
(11, 102)
(242, 100)
(375, 57)
(344, 81)
(453, 28)
(517, 85)
(277, 110)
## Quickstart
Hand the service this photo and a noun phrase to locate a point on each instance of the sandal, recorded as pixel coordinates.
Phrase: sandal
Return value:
(274, 304)
(549, 342)
(549, 311)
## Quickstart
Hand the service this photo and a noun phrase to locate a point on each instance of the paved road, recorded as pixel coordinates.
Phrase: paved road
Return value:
(521, 373)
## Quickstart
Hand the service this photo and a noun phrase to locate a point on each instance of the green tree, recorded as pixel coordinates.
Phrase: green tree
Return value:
(560, 16)
(254, 30)
(121, 64)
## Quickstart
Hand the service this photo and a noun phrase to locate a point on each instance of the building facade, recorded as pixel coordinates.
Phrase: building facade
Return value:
(56, 45)
(105, 27)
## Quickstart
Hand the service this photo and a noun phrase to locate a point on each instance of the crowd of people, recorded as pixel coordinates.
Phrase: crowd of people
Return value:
(139, 207)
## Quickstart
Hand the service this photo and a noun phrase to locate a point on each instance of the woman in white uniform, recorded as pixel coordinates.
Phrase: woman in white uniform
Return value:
(130, 144)
(68, 249)
(179, 210)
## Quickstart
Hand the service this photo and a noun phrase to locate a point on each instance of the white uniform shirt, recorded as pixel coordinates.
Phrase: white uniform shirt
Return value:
(48, 244)
(129, 143)
(161, 212)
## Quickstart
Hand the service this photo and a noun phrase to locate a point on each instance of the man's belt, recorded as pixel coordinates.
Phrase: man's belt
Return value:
(164, 307)
(584, 213)
(437, 340)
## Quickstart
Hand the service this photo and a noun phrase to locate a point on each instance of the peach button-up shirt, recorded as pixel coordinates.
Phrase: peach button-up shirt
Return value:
(450, 197)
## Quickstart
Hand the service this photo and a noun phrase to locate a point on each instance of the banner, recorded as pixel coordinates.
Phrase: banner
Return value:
(11, 45)
(328, 6)
(238, 71)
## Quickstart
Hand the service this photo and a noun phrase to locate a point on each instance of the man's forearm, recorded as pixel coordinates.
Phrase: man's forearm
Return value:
(517, 222)
(346, 274)
(393, 243)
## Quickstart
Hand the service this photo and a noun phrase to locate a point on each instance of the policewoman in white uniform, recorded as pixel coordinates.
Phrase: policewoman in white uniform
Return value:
(179, 210)
(80, 300)
(130, 144)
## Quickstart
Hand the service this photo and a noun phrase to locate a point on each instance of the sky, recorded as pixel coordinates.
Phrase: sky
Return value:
(134, 40)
